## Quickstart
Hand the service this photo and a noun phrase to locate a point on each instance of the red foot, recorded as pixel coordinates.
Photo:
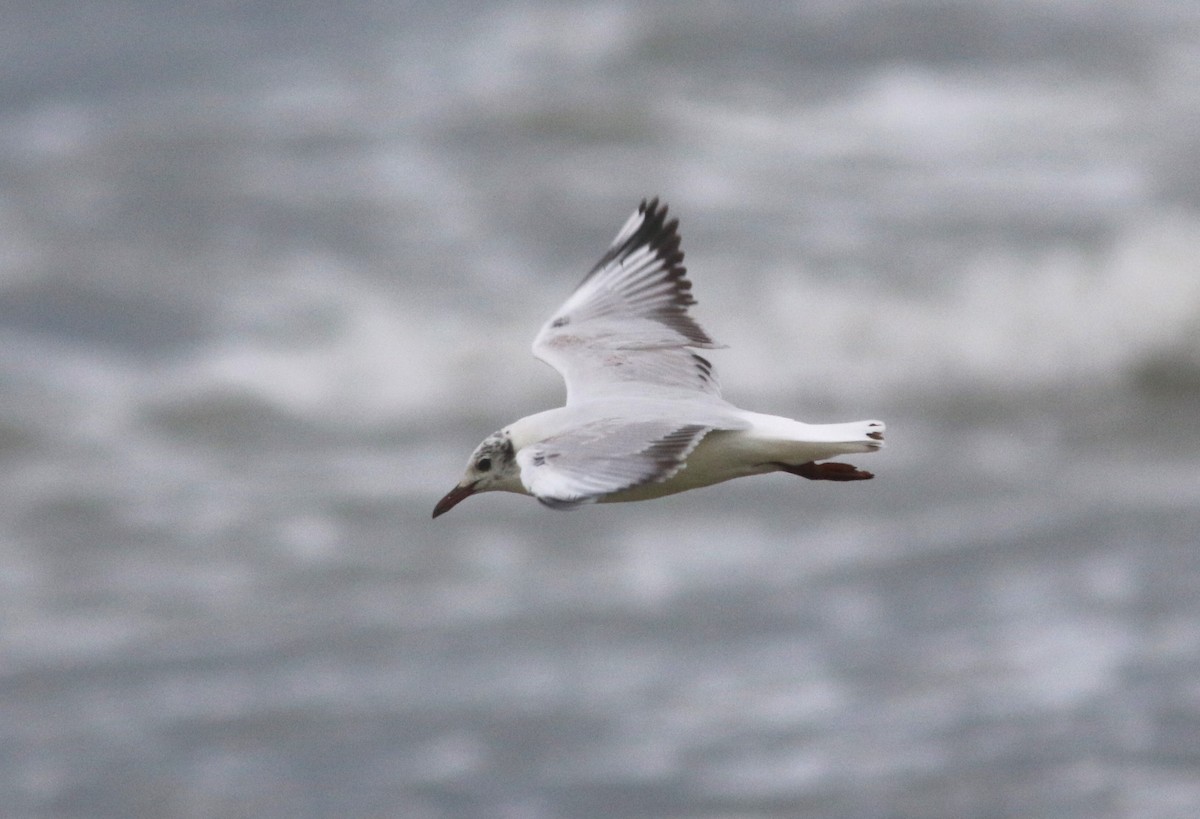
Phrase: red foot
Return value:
(828, 472)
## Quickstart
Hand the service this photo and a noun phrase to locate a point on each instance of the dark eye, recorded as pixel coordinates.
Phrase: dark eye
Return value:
(483, 464)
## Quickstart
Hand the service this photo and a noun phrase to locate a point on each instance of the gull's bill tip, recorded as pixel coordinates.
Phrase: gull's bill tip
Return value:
(453, 498)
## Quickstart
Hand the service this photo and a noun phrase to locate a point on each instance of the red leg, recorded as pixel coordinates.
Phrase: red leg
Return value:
(827, 471)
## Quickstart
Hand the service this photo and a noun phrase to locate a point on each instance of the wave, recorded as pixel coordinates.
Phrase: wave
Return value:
(329, 348)
(1059, 319)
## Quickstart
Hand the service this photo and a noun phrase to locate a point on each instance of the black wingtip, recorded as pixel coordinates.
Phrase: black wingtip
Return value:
(661, 236)
(655, 230)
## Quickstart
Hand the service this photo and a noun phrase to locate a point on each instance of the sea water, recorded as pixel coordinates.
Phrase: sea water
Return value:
(268, 274)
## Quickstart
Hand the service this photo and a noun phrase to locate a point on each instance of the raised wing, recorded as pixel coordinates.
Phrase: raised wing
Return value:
(603, 457)
(626, 328)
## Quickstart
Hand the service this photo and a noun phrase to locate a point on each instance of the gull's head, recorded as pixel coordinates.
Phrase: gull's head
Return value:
(493, 466)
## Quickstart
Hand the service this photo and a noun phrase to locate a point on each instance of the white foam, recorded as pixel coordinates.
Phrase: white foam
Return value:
(320, 342)
(1059, 319)
(324, 343)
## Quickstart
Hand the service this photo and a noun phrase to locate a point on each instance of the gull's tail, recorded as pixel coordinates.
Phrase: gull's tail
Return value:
(836, 439)
(772, 439)
(855, 436)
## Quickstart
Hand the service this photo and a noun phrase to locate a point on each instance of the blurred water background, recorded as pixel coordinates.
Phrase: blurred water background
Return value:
(269, 271)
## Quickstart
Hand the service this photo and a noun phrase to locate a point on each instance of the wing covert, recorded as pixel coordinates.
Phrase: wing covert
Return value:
(603, 457)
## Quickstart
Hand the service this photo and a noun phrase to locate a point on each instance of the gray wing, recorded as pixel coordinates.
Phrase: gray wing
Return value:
(604, 457)
(626, 328)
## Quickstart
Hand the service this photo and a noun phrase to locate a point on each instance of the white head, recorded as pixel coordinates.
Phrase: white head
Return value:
(493, 466)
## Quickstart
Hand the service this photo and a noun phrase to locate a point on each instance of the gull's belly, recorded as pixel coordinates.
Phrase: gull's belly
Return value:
(722, 455)
(770, 442)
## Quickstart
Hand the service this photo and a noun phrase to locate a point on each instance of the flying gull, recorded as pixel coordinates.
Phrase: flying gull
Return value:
(644, 416)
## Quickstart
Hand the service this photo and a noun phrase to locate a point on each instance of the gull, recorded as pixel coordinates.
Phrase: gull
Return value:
(644, 416)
